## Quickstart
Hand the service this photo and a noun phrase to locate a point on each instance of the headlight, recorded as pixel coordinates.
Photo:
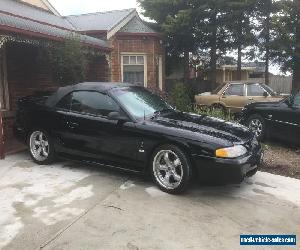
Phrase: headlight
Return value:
(232, 152)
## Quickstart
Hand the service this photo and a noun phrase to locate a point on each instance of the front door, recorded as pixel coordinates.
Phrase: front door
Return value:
(234, 97)
(255, 93)
(285, 119)
(88, 133)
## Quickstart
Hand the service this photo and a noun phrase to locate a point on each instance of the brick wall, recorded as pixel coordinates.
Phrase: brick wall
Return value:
(98, 70)
(27, 74)
(151, 46)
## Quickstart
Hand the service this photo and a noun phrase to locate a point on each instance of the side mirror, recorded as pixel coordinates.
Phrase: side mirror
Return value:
(116, 116)
(289, 101)
(266, 94)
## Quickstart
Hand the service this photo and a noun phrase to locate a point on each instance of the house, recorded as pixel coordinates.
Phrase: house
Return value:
(126, 48)
(138, 54)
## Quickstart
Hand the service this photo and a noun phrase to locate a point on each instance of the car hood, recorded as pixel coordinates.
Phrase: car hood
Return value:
(203, 128)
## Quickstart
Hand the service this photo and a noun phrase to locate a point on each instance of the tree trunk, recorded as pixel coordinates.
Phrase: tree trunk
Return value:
(239, 63)
(239, 47)
(213, 52)
(296, 59)
(186, 67)
(267, 45)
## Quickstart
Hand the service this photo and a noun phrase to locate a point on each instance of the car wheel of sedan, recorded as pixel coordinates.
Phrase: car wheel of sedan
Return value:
(257, 125)
(171, 169)
(41, 147)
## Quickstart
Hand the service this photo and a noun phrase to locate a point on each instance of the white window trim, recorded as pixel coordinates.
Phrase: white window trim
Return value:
(145, 65)
(160, 72)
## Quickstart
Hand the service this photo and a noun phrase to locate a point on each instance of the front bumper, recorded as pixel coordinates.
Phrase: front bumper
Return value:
(210, 169)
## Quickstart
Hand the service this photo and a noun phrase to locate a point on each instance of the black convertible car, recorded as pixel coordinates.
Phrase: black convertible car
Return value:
(280, 120)
(128, 127)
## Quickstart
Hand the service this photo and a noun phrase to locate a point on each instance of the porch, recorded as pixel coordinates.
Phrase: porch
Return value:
(23, 72)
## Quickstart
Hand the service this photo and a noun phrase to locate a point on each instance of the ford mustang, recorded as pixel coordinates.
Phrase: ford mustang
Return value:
(128, 127)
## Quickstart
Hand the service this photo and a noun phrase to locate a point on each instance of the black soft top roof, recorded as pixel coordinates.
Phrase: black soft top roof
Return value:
(103, 87)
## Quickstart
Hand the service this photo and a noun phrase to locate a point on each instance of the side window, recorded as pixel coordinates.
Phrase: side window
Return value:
(235, 89)
(297, 100)
(255, 90)
(93, 103)
(65, 102)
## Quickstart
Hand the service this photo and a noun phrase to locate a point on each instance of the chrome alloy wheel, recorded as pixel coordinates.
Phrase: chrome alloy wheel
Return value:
(256, 126)
(39, 146)
(167, 169)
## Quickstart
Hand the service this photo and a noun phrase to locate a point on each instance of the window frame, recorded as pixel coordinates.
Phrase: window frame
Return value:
(136, 55)
(232, 84)
(260, 86)
(86, 114)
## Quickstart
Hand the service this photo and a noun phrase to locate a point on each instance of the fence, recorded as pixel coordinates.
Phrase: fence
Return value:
(280, 84)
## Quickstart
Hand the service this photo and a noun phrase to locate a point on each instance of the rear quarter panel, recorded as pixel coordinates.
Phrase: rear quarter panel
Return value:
(207, 100)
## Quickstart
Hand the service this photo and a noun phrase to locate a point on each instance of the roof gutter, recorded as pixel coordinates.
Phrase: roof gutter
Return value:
(46, 36)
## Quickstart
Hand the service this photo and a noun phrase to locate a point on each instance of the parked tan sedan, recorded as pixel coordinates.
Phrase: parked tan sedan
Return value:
(235, 96)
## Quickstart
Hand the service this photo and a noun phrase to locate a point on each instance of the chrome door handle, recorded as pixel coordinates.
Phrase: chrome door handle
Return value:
(250, 98)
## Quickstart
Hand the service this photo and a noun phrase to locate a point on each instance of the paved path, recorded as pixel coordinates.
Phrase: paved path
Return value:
(75, 206)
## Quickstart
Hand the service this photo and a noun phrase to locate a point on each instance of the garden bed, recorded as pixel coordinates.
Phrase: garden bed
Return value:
(282, 160)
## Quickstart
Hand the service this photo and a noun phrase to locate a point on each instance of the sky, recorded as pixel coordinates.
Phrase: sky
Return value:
(71, 7)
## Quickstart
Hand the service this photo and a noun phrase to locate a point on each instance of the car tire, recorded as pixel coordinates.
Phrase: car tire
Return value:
(257, 124)
(171, 169)
(41, 147)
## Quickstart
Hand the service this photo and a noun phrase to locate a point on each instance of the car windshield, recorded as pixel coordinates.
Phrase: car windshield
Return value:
(140, 102)
(269, 90)
(216, 91)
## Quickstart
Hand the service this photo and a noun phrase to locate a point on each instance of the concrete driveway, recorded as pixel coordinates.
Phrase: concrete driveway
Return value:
(75, 206)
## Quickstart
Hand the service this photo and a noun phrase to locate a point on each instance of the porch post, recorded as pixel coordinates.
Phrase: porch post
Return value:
(2, 153)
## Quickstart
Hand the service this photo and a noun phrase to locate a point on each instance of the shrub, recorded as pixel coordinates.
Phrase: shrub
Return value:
(68, 61)
(217, 113)
(180, 98)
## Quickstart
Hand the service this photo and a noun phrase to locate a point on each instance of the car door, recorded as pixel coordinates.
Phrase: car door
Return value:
(255, 93)
(86, 132)
(234, 97)
(284, 119)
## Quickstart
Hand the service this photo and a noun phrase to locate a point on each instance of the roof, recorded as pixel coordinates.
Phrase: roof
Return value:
(234, 67)
(26, 11)
(85, 86)
(136, 25)
(21, 18)
(102, 21)
(123, 21)
(101, 86)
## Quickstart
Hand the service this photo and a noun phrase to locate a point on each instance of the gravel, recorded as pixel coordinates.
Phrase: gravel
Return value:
(282, 160)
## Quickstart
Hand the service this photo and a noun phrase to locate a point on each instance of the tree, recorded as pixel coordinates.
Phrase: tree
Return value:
(176, 20)
(286, 44)
(240, 21)
(68, 60)
(296, 56)
(265, 9)
(211, 31)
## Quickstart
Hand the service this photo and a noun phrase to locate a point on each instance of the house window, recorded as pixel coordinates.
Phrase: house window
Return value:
(133, 69)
